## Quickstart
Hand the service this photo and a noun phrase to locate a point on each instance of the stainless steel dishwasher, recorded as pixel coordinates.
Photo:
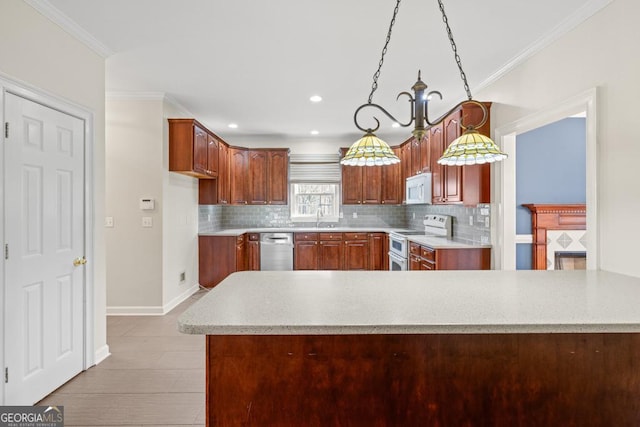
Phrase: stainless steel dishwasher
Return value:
(276, 251)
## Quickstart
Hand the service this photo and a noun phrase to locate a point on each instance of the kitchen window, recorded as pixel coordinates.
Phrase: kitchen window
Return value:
(311, 202)
(314, 183)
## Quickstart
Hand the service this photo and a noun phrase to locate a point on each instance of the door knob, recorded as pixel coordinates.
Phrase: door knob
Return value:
(79, 261)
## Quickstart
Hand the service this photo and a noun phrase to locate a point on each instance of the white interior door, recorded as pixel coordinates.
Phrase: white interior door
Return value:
(44, 252)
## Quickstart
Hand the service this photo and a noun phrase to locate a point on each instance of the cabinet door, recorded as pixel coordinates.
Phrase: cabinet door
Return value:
(257, 188)
(237, 176)
(416, 157)
(330, 254)
(223, 173)
(253, 252)
(305, 255)
(452, 174)
(278, 177)
(405, 160)
(377, 254)
(241, 254)
(212, 156)
(371, 184)
(351, 184)
(200, 150)
(217, 258)
(356, 255)
(425, 153)
(436, 140)
(391, 185)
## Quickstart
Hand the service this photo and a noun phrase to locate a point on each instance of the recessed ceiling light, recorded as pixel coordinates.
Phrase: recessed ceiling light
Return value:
(395, 125)
(233, 125)
(314, 132)
(315, 98)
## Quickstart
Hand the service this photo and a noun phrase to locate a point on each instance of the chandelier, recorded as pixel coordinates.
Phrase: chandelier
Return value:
(469, 149)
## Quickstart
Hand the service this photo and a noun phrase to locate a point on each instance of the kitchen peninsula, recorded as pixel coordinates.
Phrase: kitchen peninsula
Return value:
(495, 348)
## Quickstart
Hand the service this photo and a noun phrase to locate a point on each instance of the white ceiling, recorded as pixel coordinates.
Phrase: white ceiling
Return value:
(256, 63)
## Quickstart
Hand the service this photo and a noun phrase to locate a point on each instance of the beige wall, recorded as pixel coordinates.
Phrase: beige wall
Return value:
(600, 53)
(133, 171)
(144, 264)
(38, 53)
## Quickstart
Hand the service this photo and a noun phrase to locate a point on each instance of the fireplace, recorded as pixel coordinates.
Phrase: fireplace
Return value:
(559, 233)
(570, 261)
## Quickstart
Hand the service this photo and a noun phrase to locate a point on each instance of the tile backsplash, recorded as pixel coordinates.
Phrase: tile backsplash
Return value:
(470, 224)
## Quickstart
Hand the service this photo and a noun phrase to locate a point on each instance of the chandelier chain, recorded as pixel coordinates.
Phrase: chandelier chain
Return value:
(376, 75)
(463, 76)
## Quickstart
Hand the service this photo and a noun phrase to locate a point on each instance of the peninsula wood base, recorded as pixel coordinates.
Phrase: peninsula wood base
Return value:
(424, 380)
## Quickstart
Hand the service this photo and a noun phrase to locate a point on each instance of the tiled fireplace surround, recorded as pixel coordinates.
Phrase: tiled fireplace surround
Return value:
(470, 224)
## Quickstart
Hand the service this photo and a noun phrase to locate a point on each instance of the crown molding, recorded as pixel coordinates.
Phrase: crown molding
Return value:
(146, 96)
(578, 17)
(63, 21)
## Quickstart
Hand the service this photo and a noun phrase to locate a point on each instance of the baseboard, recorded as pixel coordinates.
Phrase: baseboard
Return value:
(152, 310)
(180, 298)
(102, 353)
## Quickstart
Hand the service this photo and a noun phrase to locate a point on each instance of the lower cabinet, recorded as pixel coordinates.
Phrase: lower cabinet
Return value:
(330, 251)
(220, 256)
(356, 251)
(340, 251)
(305, 251)
(425, 258)
(253, 251)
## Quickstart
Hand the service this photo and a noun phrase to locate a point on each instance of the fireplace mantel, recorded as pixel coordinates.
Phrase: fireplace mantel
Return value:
(553, 217)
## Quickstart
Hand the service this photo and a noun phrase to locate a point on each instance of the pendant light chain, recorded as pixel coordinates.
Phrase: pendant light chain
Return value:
(374, 86)
(455, 50)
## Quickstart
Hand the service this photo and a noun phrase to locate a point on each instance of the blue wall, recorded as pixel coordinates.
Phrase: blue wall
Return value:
(550, 168)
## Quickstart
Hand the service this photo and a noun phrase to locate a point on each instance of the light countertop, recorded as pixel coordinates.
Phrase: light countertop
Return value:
(431, 241)
(416, 302)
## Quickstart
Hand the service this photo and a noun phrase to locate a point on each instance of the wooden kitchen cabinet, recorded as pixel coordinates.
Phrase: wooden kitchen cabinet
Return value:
(192, 149)
(372, 185)
(378, 259)
(268, 177)
(468, 185)
(220, 256)
(253, 251)
(305, 251)
(425, 258)
(356, 251)
(330, 251)
(223, 184)
(238, 175)
(392, 188)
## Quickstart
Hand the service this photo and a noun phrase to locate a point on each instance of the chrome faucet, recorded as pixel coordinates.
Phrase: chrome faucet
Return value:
(318, 215)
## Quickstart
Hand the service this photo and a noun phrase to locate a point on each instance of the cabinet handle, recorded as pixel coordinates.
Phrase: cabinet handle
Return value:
(382, 202)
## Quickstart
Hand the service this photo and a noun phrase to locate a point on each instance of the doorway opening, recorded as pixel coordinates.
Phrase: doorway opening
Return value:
(505, 238)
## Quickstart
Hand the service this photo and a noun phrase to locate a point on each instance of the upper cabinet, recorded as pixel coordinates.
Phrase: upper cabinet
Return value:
(227, 175)
(268, 176)
(192, 149)
(371, 185)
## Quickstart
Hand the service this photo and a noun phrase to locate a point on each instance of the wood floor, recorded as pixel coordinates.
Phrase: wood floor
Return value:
(154, 377)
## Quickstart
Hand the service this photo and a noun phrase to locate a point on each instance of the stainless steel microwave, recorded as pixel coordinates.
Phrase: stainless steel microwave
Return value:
(418, 189)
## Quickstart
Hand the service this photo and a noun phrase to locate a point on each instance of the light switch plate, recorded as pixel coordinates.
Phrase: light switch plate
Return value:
(108, 221)
(147, 221)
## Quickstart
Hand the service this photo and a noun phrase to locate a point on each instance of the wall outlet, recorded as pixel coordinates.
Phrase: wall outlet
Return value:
(470, 219)
(341, 214)
(108, 221)
(414, 215)
(484, 240)
(147, 221)
(355, 214)
(487, 222)
(183, 276)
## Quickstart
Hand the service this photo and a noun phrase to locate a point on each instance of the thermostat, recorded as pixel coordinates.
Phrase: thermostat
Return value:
(147, 204)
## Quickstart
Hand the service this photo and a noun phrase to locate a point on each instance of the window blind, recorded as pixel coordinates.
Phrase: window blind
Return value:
(314, 168)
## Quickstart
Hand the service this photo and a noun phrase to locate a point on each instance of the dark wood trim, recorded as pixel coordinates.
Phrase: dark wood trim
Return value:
(424, 380)
(553, 217)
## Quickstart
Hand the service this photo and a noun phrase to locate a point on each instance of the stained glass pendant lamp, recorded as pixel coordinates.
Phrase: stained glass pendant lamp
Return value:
(469, 149)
